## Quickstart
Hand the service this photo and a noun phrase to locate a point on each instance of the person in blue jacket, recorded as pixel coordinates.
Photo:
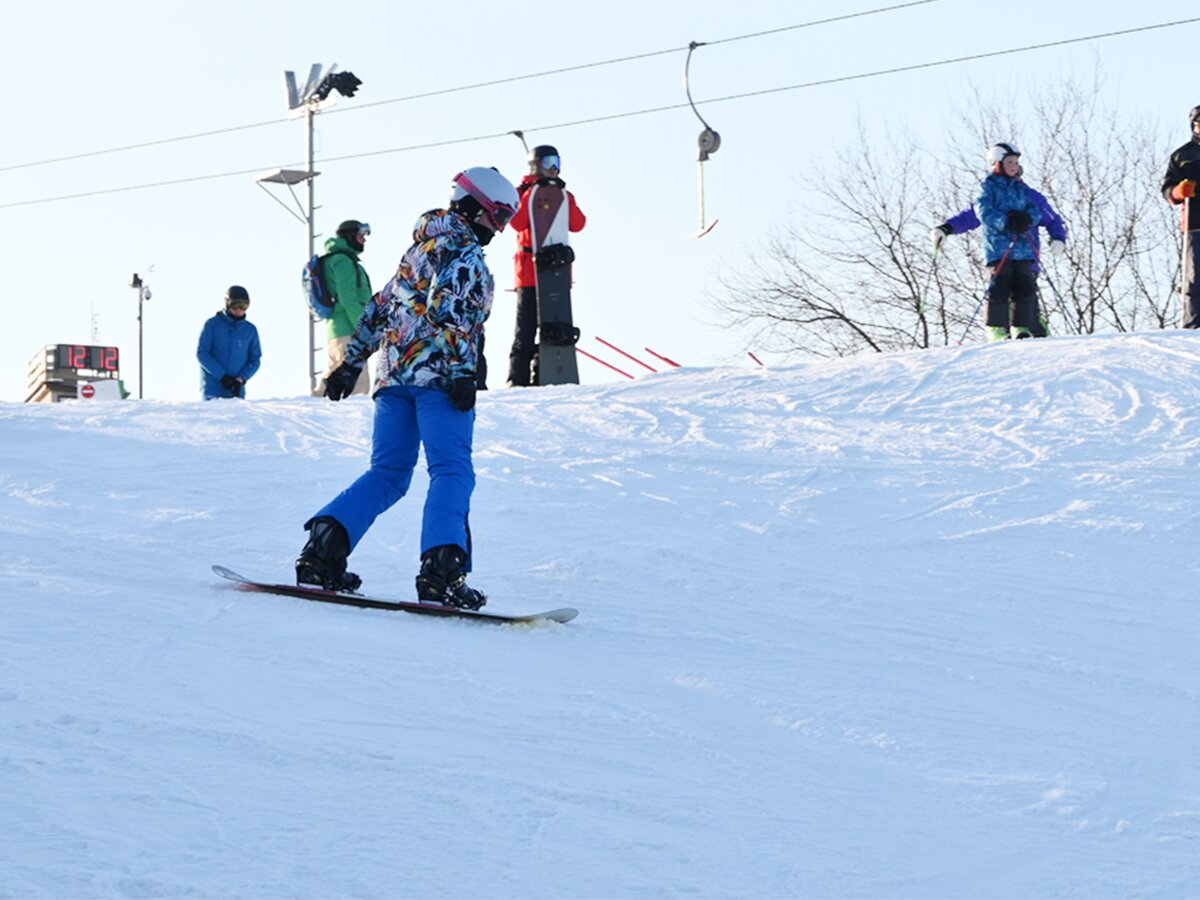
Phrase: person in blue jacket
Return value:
(1046, 217)
(426, 329)
(229, 351)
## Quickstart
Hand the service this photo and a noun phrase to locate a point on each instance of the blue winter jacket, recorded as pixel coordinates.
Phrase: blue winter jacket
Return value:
(968, 220)
(228, 346)
(1000, 196)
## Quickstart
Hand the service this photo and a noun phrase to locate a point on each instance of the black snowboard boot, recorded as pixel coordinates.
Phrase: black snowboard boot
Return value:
(443, 579)
(322, 562)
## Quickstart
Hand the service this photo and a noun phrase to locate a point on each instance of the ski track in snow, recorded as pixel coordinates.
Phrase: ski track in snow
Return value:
(919, 625)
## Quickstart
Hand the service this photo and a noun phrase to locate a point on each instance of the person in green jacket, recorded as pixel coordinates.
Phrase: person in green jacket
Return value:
(348, 283)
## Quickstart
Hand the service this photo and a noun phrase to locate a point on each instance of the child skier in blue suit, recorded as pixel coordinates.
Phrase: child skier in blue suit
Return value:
(1010, 213)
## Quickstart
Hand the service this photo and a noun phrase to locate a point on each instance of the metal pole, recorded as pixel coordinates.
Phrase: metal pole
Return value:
(141, 355)
(312, 240)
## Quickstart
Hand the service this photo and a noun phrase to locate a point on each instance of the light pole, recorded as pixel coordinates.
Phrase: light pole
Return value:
(308, 102)
(143, 290)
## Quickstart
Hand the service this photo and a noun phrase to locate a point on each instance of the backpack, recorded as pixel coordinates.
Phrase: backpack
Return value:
(320, 301)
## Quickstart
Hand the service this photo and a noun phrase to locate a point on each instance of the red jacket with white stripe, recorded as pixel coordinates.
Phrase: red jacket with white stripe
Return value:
(525, 270)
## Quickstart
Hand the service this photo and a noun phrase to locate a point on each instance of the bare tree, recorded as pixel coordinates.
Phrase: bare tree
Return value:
(855, 271)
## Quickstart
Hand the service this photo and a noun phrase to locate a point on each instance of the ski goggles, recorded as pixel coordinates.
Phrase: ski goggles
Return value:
(550, 162)
(364, 229)
(238, 304)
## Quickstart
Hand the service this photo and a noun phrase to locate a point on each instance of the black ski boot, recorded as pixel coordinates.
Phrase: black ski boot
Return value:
(322, 562)
(443, 579)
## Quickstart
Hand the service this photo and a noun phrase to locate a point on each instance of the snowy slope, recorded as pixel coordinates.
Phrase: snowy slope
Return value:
(899, 626)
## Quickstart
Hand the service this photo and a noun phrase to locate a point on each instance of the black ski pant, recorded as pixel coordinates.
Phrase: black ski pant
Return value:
(1016, 282)
(523, 356)
(1191, 279)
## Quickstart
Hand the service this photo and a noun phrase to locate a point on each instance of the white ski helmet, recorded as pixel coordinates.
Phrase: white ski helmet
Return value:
(998, 151)
(495, 195)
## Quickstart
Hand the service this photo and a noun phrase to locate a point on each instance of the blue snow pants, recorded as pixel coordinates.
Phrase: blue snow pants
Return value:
(405, 418)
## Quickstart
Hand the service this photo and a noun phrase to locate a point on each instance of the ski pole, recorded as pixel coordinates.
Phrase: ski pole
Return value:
(991, 284)
(924, 295)
(1062, 307)
(1184, 213)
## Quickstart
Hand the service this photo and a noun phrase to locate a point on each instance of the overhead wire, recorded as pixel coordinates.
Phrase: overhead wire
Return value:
(632, 113)
(358, 107)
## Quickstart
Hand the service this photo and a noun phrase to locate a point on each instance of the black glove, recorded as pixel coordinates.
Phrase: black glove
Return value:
(231, 384)
(1018, 222)
(341, 381)
(462, 393)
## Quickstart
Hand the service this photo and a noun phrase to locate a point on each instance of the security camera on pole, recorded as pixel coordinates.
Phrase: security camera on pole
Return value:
(307, 102)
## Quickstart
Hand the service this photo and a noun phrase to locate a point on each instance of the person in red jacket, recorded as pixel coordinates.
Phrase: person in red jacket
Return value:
(544, 162)
(1179, 187)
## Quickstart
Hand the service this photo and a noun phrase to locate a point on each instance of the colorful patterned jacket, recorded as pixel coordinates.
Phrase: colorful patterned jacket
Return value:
(427, 321)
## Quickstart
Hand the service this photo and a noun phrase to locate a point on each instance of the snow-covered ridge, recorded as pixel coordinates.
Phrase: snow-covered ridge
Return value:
(909, 625)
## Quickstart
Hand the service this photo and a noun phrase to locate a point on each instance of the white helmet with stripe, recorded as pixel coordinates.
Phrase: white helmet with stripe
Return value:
(495, 198)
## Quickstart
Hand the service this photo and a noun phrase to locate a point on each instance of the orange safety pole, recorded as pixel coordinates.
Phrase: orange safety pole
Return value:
(583, 352)
(627, 355)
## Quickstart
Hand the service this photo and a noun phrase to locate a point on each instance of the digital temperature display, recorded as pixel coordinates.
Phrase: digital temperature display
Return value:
(83, 356)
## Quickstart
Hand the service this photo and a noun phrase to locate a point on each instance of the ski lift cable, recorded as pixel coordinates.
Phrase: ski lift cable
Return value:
(453, 90)
(623, 115)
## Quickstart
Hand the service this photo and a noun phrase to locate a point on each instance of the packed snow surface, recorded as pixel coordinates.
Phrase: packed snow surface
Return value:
(914, 625)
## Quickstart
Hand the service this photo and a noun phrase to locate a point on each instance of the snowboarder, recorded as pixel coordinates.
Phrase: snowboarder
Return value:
(968, 220)
(229, 350)
(544, 162)
(426, 322)
(348, 283)
(1010, 214)
(1179, 187)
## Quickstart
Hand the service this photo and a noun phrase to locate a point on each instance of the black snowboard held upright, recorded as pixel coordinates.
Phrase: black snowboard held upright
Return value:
(549, 215)
(408, 606)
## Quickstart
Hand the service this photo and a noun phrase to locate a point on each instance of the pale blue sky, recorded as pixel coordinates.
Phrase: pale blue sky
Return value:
(84, 79)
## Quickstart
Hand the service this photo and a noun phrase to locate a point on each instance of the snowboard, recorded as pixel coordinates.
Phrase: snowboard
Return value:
(549, 217)
(408, 606)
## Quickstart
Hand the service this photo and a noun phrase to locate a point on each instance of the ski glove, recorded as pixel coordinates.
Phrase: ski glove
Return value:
(1018, 222)
(938, 235)
(462, 393)
(341, 381)
(1184, 190)
(1057, 247)
(231, 384)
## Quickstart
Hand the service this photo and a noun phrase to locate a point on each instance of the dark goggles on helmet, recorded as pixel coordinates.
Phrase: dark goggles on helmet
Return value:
(501, 215)
(550, 162)
(364, 229)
